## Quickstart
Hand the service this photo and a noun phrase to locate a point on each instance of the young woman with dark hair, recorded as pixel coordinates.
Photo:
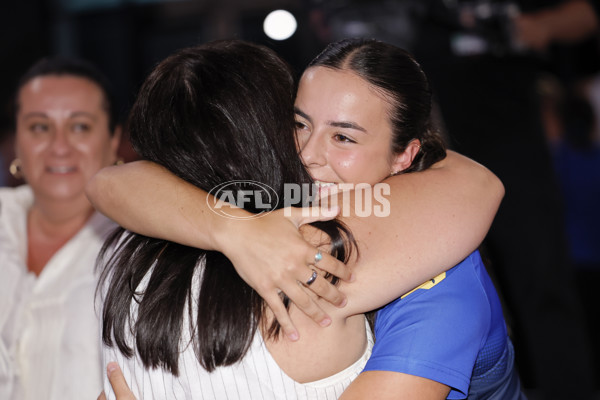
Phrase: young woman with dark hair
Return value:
(425, 333)
(361, 131)
(398, 78)
(191, 116)
(177, 309)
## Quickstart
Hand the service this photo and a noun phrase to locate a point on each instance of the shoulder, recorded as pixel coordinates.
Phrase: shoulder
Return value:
(436, 332)
(457, 297)
(14, 203)
(17, 198)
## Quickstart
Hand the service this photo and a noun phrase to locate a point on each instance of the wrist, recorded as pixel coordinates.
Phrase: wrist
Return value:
(225, 227)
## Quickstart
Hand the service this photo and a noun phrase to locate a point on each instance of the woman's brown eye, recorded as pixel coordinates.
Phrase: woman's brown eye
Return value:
(343, 138)
(39, 128)
(81, 127)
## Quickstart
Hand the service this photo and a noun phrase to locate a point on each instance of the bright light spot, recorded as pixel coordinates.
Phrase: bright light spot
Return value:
(280, 25)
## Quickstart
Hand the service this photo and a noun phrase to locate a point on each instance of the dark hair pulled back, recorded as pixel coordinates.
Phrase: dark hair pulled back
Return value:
(395, 74)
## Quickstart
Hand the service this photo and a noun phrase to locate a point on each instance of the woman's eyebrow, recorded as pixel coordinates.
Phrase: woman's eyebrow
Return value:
(347, 124)
(38, 114)
(302, 114)
(82, 114)
(338, 124)
(35, 114)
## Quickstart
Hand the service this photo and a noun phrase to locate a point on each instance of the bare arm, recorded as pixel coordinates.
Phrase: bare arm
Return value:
(568, 22)
(443, 214)
(146, 198)
(368, 385)
(394, 386)
(437, 218)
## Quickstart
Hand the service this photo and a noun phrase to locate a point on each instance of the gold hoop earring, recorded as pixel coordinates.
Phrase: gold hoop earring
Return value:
(15, 169)
(120, 161)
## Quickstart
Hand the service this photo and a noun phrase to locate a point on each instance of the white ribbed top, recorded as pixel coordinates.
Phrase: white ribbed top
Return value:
(256, 377)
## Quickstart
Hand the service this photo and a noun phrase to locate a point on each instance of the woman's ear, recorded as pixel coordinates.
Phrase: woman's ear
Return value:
(404, 160)
(115, 142)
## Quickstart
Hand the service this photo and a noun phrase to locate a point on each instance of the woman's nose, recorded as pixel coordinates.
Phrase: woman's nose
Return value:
(312, 151)
(61, 144)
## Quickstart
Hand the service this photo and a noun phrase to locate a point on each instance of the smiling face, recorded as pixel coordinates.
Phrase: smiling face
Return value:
(343, 128)
(63, 136)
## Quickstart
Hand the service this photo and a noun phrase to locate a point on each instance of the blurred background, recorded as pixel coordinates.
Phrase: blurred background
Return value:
(510, 93)
(126, 38)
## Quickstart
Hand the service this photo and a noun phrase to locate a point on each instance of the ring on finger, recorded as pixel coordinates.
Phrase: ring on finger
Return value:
(312, 278)
(318, 256)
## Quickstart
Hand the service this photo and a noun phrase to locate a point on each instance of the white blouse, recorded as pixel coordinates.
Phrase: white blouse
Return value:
(256, 377)
(49, 332)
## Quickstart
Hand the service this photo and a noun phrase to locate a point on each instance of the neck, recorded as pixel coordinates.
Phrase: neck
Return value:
(54, 216)
(51, 224)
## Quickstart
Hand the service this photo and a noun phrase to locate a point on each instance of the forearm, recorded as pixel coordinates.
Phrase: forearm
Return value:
(570, 21)
(268, 252)
(146, 198)
(394, 385)
(437, 218)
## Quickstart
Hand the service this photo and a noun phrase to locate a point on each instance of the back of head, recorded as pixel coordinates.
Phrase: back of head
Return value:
(64, 66)
(210, 114)
(219, 112)
(395, 74)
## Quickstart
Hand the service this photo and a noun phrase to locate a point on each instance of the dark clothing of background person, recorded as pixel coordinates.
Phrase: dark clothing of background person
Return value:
(490, 109)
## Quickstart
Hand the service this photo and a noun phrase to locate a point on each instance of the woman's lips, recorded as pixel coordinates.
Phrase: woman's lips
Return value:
(325, 188)
(62, 169)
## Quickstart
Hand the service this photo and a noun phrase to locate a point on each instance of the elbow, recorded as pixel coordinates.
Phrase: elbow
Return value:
(498, 187)
(495, 188)
(96, 188)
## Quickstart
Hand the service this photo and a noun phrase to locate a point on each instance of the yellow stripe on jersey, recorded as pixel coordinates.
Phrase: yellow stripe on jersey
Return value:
(429, 284)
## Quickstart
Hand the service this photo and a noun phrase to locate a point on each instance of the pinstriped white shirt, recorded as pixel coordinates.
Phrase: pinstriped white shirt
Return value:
(256, 377)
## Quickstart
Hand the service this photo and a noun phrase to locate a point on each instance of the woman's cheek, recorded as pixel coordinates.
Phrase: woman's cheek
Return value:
(347, 169)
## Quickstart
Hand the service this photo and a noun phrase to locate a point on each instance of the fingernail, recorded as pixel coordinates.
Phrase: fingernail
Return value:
(293, 336)
(325, 322)
(111, 367)
(352, 278)
(344, 302)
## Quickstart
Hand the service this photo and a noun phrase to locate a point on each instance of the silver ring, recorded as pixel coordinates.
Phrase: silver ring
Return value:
(312, 278)
(318, 256)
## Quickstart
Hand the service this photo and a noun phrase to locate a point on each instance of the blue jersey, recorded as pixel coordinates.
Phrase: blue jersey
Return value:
(450, 330)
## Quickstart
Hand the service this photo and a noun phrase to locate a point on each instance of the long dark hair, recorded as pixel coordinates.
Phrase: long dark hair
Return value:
(210, 114)
(399, 77)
